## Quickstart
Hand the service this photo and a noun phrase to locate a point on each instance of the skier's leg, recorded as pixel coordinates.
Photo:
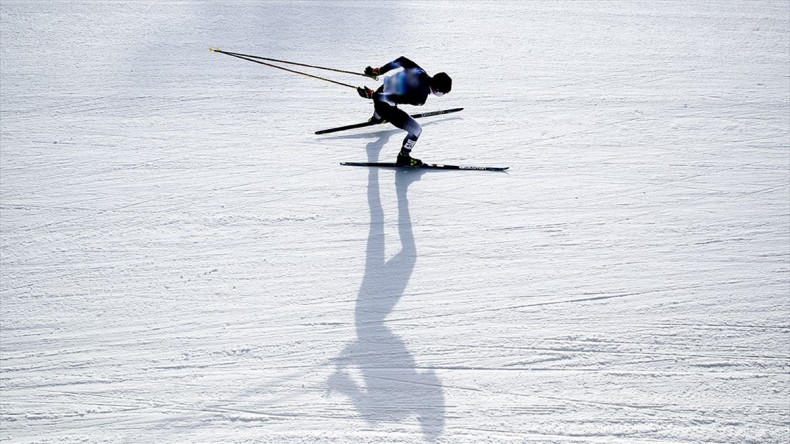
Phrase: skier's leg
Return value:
(414, 130)
(400, 119)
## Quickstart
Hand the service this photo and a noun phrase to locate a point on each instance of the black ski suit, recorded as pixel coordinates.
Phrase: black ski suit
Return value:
(411, 87)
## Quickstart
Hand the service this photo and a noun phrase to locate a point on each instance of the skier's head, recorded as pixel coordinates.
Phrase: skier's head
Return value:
(441, 84)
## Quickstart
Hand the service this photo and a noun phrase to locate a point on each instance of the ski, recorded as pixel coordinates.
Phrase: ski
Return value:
(364, 124)
(432, 166)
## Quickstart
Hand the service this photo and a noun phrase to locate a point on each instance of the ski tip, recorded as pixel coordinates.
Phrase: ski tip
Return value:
(214, 49)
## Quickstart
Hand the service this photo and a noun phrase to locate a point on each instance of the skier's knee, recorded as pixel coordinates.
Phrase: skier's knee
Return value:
(413, 128)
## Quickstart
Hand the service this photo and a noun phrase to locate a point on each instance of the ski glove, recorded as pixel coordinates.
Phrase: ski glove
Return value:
(372, 72)
(365, 92)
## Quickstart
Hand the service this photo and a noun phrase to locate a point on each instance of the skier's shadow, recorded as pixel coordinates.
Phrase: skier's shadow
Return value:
(390, 388)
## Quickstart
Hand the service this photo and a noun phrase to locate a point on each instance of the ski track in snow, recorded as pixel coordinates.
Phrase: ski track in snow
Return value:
(184, 261)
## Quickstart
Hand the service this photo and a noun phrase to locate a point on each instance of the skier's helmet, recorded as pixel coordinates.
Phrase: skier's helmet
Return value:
(441, 83)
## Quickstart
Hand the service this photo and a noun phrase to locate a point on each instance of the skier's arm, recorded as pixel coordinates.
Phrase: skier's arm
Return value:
(400, 62)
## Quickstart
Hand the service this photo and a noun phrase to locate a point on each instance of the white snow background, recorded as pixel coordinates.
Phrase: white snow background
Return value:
(183, 260)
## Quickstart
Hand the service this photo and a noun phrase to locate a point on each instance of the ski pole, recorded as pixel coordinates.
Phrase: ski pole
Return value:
(292, 63)
(286, 69)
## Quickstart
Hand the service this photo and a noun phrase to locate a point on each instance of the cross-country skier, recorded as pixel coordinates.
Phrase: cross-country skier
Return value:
(410, 86)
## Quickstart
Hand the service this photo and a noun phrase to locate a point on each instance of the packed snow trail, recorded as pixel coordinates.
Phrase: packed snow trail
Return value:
(184, 260)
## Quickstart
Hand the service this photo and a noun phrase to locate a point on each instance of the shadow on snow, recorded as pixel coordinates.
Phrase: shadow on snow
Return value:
(392, 388)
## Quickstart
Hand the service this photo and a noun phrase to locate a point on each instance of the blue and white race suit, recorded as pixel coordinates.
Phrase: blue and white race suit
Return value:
(411, 87)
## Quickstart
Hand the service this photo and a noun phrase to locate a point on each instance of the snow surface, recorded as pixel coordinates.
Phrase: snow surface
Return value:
(183, 260)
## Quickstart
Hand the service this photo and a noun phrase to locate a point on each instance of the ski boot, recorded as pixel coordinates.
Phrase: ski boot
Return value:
(404, 159)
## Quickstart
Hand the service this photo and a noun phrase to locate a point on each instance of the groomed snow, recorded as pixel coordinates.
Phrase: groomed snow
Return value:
(183, 260)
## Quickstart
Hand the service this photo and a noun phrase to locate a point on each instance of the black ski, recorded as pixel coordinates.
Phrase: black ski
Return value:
(432, 166)
(364, 124)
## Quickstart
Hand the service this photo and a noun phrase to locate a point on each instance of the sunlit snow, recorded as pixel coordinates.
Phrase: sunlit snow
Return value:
(185, 261)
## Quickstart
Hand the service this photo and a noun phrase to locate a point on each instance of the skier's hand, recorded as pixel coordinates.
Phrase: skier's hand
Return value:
(372, 72)
(365, 92)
